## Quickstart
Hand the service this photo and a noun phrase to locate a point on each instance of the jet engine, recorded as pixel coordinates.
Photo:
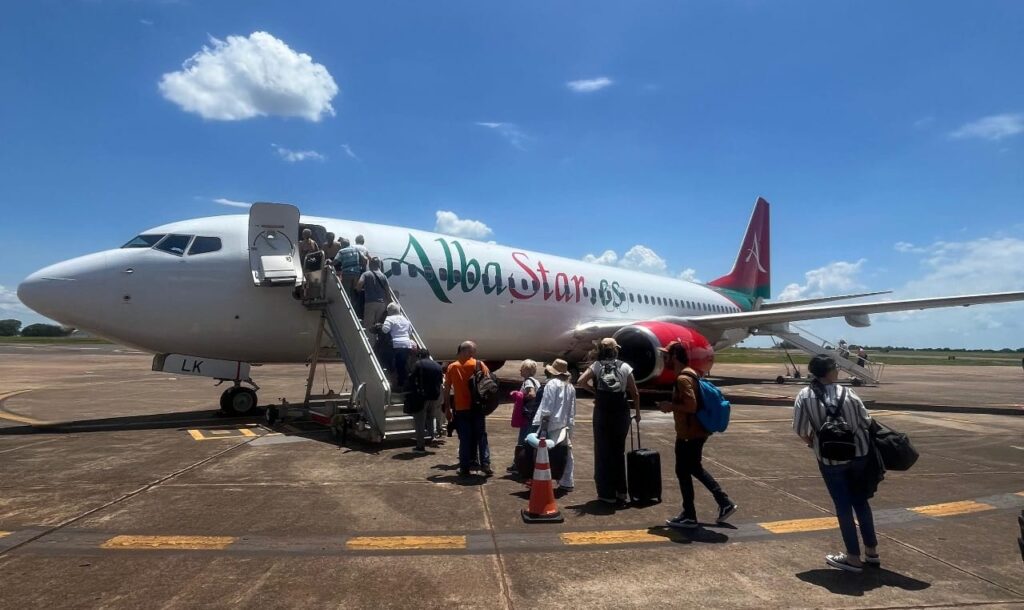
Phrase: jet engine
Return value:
(639, 344)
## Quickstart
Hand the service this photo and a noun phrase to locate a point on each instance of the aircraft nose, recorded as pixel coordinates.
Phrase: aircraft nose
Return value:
(57, 291)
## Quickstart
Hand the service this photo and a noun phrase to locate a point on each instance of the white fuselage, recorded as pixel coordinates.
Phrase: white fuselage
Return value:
(207, 304)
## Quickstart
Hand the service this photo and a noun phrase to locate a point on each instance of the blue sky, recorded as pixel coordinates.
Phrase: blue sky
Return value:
(889, 137)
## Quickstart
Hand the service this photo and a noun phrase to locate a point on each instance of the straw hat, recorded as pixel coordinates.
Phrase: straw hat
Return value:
(558, 368)
(609, 343)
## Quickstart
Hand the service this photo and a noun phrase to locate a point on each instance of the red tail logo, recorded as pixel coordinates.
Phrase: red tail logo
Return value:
(751, 273)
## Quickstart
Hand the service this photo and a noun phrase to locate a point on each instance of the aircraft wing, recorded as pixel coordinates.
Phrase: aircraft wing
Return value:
(752, 319)
(805, 302)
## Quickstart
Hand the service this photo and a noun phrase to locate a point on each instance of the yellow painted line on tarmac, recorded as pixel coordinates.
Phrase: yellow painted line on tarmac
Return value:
(610, 537)
(2, 534)
(187, 543)
(948, 509)
(405, 543)
(793, 526)
(197, 435)
(246, 432)
(21, 419)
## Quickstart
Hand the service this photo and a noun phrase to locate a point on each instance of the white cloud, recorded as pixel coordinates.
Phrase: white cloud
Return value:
(906, 247)
(994, 128)
(242, 78)
(294, 156)
(10, 304)
(146, 21)
(510, 131)
(924, 122)
(642, 258)
(449, 223)
(589, 85)
(609, 257)
(688, 274)
(232, 203)
(638, 258)
(349, 152)
(831, 279)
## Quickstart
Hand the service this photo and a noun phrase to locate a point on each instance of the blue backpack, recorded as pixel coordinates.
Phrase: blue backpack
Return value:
(714, 408)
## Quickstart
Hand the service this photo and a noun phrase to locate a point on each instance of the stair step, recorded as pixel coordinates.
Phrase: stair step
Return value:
(400, 435)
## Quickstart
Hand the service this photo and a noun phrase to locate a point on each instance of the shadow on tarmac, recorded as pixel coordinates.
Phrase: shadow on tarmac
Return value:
(698, 534)
(855, 585)
(206, 418)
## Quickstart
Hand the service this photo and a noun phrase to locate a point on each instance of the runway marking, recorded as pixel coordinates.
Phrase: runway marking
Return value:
(800, 525)
(186, 543)
(2, 534)
(219, 434)
(405, 543)
(948, 509)
(1016, 447)
(610, 537)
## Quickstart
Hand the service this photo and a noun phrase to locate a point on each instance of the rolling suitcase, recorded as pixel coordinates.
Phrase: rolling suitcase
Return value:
(643, 471)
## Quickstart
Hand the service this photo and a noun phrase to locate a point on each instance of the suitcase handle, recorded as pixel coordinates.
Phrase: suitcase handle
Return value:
(639, 445)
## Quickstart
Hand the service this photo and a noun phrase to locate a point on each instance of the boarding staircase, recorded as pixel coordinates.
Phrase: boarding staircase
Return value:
(870, 373)
(372, 410)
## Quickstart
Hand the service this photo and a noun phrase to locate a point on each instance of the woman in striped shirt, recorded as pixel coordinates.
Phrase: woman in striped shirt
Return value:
(809, 414)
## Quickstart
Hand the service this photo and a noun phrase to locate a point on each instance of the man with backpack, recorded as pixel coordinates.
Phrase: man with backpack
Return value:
(690, 438)
(832, 420)
(423, 393)
(373, 285)
(611, 380)
(464, 377)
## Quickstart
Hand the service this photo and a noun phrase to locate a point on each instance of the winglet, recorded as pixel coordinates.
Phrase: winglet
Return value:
(751, 273)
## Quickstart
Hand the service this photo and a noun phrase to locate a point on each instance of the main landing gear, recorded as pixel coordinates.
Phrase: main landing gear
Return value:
(239, 401)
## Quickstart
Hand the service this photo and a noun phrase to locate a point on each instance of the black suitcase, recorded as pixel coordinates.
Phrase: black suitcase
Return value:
(643, 471)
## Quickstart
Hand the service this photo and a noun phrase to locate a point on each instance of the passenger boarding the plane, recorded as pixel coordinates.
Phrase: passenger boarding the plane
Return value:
(331, 248)
(363, 251)
(307, 246)
(558, 407)
(470, 422)
(374, 287)
(399, 327)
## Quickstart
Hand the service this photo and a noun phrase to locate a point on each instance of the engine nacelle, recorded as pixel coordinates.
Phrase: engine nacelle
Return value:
(639, 344)
(858, 320)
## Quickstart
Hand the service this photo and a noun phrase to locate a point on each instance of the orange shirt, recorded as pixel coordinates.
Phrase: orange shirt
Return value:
(458, 377)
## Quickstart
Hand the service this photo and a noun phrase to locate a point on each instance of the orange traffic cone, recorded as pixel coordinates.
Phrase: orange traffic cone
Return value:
(542, 493)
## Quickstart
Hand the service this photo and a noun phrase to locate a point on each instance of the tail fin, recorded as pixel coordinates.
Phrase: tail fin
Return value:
(751, 273)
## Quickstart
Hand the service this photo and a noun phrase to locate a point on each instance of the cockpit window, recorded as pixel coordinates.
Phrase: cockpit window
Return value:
(146, 240)
(174, 244)
(203, 245)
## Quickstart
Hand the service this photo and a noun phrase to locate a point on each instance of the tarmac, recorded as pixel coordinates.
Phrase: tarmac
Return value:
(121, 487)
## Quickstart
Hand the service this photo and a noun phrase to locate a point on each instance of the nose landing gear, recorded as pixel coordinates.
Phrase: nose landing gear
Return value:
(238, 401)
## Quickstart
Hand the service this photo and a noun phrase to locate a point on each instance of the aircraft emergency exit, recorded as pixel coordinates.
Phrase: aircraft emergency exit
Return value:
(223, 288)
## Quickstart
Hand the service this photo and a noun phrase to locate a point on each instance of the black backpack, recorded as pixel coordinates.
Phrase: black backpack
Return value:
(608, 380)
(484, 389)
(836, 439)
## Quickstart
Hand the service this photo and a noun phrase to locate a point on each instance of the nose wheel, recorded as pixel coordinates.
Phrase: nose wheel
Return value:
(238, 401)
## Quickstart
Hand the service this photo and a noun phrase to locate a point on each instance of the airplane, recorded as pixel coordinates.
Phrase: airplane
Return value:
(200, 288)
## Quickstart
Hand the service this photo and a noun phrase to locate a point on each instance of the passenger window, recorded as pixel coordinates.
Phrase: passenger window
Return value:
(526, 285)
(536, 285)
(174, 244)
(586, 293)
(442, 274)
(547, 287)
(143, 241)
(470, 277)
(396, 268)
(631, 297)
(429, 274)
(204, 245)
(413, 271)
(456, 275)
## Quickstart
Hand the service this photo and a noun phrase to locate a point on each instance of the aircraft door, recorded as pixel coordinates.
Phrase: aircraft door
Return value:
(273, 245)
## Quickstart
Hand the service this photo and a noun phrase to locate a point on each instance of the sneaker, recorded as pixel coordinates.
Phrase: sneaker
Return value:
(419, 449)
(684, 523)
(463, 472)
(842, 562)
(487, 470)
(724, 512)
(511, 469)
(608, 500)
(872, 560)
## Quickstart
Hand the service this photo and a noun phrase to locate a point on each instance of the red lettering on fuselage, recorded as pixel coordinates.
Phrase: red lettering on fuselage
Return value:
(524, 265)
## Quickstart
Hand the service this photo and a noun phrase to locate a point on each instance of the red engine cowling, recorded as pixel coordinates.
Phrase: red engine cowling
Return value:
(639, 343)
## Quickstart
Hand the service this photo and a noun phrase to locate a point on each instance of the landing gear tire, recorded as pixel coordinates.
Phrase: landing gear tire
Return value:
(271, 415)
(238, 402)
(780, 380)
(857, 382)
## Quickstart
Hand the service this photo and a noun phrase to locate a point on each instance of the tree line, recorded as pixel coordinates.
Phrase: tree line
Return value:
(12, 328)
